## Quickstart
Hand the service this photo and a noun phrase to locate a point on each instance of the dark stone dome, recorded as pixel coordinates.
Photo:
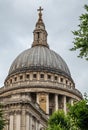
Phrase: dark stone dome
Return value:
(39, 58)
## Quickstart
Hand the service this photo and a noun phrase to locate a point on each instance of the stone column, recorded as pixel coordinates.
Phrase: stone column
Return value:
(37, 125)
(38, 76)
(30, 122)
(27, 121)
(71, 101)
(11, 122)
(8, 123)
(18, 121)
(45, 76)
(47, 103)
(14, 122)
(64, 103)
(31, 76)
(24, 77)
(56, 102)
(37, 98)
(23, 120)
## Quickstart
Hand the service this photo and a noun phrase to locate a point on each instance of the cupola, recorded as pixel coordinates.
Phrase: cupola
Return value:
(40, 33)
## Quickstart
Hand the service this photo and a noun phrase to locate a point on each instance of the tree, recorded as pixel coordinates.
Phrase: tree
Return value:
(75, 119)
(2, 121)
(78, 114)
(58, 121)
(81, 36)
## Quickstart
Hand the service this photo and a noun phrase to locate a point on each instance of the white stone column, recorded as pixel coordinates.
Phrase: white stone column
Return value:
(71, 101)
(23, 120)
(37, 125)
(45, 76)
(18, 121)
(56, 102)
(14, 122)
(47, 103)
(31, 76)
(27, 121)
(7, 126)
(37, 98)
(64, 103)
(38, 76)
(11, 123)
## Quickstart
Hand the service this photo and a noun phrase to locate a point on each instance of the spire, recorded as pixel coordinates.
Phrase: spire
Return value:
(40, 21)
(40, 34)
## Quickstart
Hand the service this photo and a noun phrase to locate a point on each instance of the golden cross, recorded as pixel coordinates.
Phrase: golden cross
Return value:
(40, 9)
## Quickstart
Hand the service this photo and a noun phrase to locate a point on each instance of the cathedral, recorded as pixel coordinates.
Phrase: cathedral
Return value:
(38, 83)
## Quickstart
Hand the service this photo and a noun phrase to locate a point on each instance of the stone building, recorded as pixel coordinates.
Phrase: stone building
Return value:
(38, 83)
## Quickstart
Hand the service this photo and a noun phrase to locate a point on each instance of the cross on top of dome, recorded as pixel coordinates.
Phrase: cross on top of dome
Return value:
(40, 13)
(40, 9)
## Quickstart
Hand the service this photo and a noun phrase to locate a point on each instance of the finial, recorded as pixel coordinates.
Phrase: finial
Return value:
(40, 9)
(40, 12)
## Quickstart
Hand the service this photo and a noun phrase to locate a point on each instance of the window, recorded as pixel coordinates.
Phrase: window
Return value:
(21, 76)
(33, 97)
(49, 76)
(61, 79)
(15, 78)
(66, 82)
(10, 80)
(55, 77)
(41, 75)
(38, 34)
(34, 75)
(27, 76)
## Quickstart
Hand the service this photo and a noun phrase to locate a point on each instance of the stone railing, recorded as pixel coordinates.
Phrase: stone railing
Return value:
(42, 84)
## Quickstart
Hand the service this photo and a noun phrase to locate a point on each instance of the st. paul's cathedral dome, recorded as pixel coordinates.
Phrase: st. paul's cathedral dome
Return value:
(38, 83)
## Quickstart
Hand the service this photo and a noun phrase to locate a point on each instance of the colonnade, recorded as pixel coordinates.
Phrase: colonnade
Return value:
(57, 103)
(22, 121)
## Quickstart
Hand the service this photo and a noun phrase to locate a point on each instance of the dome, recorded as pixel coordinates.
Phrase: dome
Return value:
(39, 57)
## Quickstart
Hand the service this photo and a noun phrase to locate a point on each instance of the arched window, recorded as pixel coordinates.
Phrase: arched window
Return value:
(38, 35)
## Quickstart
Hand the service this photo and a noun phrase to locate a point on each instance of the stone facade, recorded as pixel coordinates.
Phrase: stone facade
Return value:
(22, 115)
(35, 88)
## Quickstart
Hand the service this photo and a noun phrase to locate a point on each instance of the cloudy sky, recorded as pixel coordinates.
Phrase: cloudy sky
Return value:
(17, 22)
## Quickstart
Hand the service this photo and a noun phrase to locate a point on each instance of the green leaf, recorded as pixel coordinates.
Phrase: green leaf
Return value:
(81, 36)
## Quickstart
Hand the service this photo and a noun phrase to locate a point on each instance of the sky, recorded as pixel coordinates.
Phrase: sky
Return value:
(61, 17)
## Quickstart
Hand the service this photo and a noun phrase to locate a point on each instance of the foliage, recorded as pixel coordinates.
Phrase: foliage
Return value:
(2, 121)
(75, 119)
(81, 36)
(58, 121)
(79, 114)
